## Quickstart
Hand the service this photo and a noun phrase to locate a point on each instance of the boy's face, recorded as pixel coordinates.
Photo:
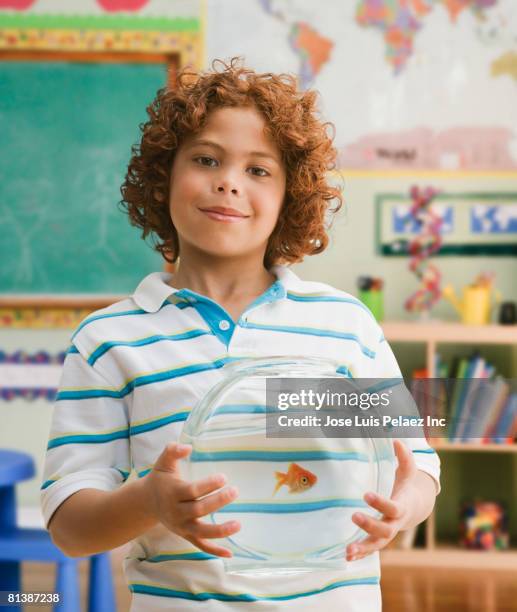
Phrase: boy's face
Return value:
(227, 186)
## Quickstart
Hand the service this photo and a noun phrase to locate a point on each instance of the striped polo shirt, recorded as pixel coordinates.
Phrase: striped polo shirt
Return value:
(132, 375)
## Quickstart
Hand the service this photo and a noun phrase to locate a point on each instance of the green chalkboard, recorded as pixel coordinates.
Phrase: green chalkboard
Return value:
(66, 134)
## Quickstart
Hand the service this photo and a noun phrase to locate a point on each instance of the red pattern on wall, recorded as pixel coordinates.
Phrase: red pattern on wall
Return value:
(17, 5)
(112, 6)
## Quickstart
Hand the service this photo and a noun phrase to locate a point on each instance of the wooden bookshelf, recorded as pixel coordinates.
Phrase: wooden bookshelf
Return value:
(443, 445)
(432, 334)
(449, 556)
(446, 332)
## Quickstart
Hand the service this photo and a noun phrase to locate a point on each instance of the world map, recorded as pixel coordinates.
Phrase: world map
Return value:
(399, 22)
(312, 49)
(420, 84)
(493, 219)
(406, 223)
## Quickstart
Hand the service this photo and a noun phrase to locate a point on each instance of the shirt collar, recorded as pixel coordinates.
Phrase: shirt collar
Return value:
(154, 289)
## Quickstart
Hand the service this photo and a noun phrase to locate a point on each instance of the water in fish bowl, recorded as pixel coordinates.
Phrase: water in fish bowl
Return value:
(296, 495)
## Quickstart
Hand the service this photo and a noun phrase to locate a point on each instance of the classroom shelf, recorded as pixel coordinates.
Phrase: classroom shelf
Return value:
(448, 556)
(431, 334)
(476, 447)
(449, 333)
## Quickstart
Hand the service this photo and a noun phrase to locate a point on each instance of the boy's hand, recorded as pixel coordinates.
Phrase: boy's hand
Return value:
(174, 501)
(396, 511)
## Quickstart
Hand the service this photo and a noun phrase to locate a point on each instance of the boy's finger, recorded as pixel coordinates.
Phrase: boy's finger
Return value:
(168, 460)
(211, 549)
(210, 503)
(193, 490)
(406, 463)
(357, 550)
(199, 529)
(387, 507)
(374, 527)
(365, 547)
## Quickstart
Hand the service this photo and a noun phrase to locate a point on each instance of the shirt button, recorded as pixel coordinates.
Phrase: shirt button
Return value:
(224, 325)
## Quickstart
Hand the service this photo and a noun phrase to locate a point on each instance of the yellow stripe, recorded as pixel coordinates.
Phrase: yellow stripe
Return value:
(162, 416)
(87, 433)
(352, 173)
(175, 333)
(176, 367)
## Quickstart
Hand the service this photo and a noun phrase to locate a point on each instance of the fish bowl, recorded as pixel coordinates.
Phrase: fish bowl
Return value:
(296, 495)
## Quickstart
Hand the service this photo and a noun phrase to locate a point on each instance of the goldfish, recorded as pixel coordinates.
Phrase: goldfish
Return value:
(296, 479)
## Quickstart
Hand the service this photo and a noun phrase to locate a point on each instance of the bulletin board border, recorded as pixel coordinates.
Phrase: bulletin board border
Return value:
(111, 33)
(50, 312)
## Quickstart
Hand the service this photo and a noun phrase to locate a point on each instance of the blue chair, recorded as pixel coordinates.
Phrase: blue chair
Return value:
(18, 545)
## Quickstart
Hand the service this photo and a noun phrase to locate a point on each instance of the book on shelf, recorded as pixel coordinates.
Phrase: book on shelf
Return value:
(471, 390)
(505, 427)
(477, 402)
(488, 403)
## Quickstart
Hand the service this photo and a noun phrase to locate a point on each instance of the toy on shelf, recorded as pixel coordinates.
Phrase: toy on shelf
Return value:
(426, 243)
(484, 526)
(371, 295)
(508, 313)
(479, 298)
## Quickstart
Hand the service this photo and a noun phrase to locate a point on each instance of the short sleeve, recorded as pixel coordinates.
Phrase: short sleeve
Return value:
(385, 366)
(88, 443)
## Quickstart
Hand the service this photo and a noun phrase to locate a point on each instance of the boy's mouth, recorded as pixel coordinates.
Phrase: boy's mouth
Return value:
(221, 213)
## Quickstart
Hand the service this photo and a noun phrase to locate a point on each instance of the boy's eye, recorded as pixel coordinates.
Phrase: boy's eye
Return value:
(257, 171)
(204, 160)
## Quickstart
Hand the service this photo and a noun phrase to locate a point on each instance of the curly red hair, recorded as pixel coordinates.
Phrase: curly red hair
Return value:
(291, 120)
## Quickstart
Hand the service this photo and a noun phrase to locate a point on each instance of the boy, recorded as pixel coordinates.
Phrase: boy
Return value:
(230, 175)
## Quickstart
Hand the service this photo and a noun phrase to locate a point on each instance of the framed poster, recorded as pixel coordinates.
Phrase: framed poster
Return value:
(471, 223)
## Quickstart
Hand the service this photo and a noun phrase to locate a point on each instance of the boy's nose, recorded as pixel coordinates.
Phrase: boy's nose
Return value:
(222, 189)
(227, 185)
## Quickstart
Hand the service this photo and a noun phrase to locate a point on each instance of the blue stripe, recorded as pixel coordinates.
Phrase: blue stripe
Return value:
(310, 331)
(344, 370)
(283, 508)
(427, 451)
(47, 483)
(106, 346)
(123, 473)
(144, 427)
(144, 472)
(283, 455)
(193, 556)
(88, 438)
(87, 394)
(140, 381)
(327, 298)
(145, 589)
(133, 431)
(244, 409)
(124, 313)
(72, 350)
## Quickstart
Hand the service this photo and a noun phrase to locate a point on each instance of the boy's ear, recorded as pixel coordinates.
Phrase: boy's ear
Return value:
(158, 195)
